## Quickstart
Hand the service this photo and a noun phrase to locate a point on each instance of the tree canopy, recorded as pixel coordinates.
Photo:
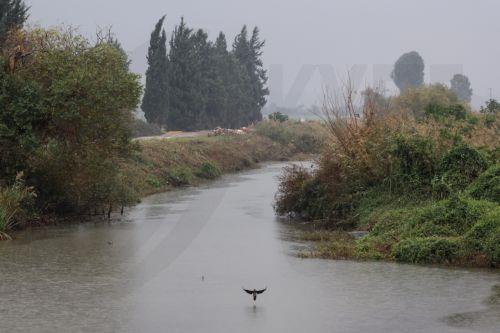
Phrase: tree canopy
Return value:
(208, 85)
(155, 101)
(13, 14)
(65, 111)
(460, 85)
(408, 71)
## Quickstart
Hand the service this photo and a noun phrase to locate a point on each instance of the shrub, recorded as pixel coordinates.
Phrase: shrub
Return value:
(300, 194)
(432, 250)
(484, 236)
(154, 181)
(208, 171)
(65, 116)
(418, 99)
(457, 169)
(308, 137)
(16, 204)
(439, 111)
(448, 217)
(487, 185)
(290, 193)
(493, 248)
(465, 160)
(179, 176)
(278, 116)
(416, 160)
(490, 119)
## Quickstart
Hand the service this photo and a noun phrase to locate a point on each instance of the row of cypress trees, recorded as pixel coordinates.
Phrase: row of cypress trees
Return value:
(200, 84)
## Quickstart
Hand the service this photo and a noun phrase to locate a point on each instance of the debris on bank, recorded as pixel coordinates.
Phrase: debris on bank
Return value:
(228, 131)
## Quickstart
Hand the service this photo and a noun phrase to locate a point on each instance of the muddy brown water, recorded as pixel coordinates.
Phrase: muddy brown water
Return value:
(178, 261)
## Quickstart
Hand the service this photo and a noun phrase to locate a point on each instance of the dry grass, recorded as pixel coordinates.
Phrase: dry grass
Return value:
(329, 245)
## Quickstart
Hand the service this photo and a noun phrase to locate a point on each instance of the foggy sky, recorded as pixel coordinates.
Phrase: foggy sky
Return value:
(460, 34)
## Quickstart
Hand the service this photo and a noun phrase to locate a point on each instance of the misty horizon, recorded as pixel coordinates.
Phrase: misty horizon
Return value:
(312, 45)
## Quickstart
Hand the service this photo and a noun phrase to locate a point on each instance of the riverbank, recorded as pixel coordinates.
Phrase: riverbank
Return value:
(423, 182)
(162, 164)
(146, 273)
(158, 165)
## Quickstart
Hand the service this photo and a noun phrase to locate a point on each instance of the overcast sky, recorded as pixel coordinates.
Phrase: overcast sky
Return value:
(320, 39)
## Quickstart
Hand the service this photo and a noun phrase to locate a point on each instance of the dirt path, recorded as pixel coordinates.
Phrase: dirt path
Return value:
(174, 135)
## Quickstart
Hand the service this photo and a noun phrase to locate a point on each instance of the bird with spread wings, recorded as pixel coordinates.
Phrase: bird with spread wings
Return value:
(255, 292)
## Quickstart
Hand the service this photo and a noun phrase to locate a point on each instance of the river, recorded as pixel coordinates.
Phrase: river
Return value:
(178, 261)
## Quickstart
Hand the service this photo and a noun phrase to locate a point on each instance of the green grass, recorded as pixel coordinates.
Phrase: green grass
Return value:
(460, 230)
(429, 250)
(158, 165)
(208, 170)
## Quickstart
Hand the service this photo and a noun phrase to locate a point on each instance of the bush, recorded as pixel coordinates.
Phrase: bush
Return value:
(431, 250)
(489, 120)
(484, 236)
(457, 169)
(16, 204)
(493, 249)
(278, 116)
(487, 185)
(459, 213)
(154, 181)
(208, 171)
(439, 111)
(465, 160)
(300, 194)
(179, 176)
(65, 116)
(308, 137)
(418, 99)
(290, 193)
(416, 160)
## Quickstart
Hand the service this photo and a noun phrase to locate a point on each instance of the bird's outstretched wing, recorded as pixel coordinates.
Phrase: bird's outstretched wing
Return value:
(248, 291)
(261, 291)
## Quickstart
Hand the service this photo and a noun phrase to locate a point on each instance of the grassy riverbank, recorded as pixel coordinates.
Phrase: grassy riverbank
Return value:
(158, 165)
(423, 181)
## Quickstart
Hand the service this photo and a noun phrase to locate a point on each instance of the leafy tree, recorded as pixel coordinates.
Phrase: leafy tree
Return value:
(13, 13)
(460, 85)
(64, 119)
(492, 107)
(408, 71)
(155, 101)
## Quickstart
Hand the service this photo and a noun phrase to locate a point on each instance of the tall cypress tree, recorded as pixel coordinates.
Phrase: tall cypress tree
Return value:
(259, 74)
(13, 13)
(183, 80)
(156, 95)
(249, 54)
(219, 81)
(210, 86)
